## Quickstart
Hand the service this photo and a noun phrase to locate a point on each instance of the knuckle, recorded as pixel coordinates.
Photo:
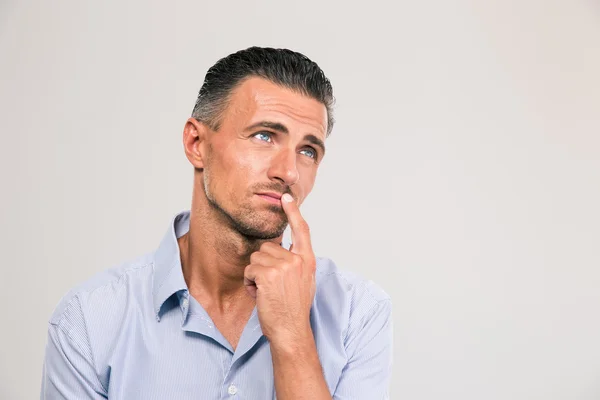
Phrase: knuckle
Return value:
(255, 257)
(266, 246)
(249, 270)
(296, 260)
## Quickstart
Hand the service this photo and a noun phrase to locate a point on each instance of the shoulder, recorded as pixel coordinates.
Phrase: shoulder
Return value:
(349, 300)
(103, 291)
(330, 278)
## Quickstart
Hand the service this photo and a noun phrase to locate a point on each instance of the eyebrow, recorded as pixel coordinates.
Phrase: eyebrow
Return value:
(276, 126)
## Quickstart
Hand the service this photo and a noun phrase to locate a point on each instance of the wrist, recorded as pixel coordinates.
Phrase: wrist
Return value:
(292, 342)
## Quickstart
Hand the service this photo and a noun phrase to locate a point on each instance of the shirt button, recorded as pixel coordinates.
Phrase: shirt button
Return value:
(232, 389)
(185, 302)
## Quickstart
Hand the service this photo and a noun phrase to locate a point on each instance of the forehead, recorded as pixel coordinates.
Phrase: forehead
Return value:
(257, 99)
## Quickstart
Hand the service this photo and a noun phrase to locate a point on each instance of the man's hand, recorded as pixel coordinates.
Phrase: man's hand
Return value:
(283, 282)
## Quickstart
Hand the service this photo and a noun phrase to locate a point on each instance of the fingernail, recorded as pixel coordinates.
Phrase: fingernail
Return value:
(287, 198)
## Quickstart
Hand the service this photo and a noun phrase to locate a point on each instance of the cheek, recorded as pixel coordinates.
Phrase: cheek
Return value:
(247, 167)
(240, 171)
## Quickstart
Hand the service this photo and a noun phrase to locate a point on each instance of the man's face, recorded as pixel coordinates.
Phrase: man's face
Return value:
(268, 143)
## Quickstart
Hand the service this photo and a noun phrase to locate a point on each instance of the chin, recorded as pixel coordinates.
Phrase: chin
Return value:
(261, 234)
(256, 223)
(262, 229)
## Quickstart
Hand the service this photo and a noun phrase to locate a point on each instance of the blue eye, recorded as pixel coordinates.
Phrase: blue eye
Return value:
(312, 153)
(264, 135)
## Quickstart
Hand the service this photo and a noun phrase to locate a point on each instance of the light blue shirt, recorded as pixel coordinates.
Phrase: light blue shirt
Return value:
(134, 332)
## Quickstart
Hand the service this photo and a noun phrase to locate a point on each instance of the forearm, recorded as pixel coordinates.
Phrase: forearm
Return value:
(297, 370)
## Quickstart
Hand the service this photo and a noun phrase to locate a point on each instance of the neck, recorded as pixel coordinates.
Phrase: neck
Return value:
(214, 255)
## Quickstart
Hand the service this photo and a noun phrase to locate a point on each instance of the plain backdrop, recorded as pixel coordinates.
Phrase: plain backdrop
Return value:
(462, 175)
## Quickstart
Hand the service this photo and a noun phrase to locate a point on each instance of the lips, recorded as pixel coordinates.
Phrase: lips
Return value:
(271, 197)
(275, 195)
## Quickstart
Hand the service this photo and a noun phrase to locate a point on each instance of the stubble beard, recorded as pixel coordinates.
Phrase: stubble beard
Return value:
(247, 221)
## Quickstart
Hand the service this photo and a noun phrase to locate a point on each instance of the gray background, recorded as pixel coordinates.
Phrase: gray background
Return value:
(462, 176)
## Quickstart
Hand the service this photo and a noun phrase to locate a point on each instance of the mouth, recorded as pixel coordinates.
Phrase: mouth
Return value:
(271, 197)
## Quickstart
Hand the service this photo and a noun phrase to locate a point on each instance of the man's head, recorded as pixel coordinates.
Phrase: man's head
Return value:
(258, 128)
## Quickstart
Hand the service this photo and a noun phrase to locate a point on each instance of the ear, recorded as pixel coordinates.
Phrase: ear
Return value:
(194, 141)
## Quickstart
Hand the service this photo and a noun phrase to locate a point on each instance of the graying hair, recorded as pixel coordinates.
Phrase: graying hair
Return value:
(284, 67)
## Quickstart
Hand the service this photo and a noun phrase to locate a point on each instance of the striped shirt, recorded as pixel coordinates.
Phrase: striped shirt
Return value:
(134, 332)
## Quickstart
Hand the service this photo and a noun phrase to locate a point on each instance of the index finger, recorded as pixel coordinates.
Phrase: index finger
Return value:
(300, 232)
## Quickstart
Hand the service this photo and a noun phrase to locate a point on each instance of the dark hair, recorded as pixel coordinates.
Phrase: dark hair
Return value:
(284, 67)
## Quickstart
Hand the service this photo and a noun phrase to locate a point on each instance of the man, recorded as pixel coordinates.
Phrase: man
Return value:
(223, 308)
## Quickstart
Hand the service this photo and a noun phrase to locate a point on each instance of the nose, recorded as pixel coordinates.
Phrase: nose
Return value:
(283, 167)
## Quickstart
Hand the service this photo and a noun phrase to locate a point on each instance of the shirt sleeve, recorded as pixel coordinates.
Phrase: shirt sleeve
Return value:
(368, 370)
(68, 371)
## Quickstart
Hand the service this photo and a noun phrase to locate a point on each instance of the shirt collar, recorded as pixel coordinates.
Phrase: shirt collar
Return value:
(168, 274)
